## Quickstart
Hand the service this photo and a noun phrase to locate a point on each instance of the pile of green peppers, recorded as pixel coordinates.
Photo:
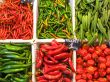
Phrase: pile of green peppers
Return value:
(15, 62)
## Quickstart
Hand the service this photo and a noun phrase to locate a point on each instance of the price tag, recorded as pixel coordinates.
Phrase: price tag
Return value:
(73, 43)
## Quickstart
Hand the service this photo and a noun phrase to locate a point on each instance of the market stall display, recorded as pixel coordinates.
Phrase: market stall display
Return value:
(55, 41)
(54, 63)
(16, 20)
(93, 63)
(54, 20)
(15, 63)
(93, 20)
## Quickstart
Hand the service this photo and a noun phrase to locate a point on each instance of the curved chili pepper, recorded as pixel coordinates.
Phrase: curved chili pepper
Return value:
(48, 61)
(53, 72)
(66, 79)
(62, 68)
(41, 53)
(47, 76)
(71, 65)
(52, 65)
(55, 43)
(48, 47)
(41, 78)
(57, 51)
(50, 57)
(62, 56)
(39, 61)
(68, 72)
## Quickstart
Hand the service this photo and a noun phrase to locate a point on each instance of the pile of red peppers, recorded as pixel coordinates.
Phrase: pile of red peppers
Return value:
(16, 20)
(54, 63)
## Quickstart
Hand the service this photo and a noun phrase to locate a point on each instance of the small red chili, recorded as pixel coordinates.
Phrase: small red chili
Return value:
(54, 72)
(62, 56)
(53, 59)
(47, 76)
(71, 65)
(56, 51)
(55, 43)
(46, 59)
(67, 79)
(41, 53)
(68, 73)
(48, 47)
(41, 78)
(39, 60)
(62, 68)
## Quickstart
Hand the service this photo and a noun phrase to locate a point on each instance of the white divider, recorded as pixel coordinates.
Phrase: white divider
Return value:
(35, 17)
(72, 2)
(33, 62)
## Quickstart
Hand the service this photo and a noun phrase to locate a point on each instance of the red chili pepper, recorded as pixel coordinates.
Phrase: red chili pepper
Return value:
(48, 47)
(61, 79)
(39, 60)
(54, 72)
(62, 68)
(68, 73)
(47, 76)
(48, 61)
(55, 61)
(57, 51)
(66, 79)
(62, 56)
(41, 78)
(41, 53)
(52, 65)
(54, 43)
(71, 65)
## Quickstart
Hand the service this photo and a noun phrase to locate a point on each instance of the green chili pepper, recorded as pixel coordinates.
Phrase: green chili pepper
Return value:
(101, 28)
(93, 39)
(13, 70)
(5, 51)
(14, 57)
(19, 79)
(14, 66)
(12, 63)
(14, 48)
(4, 60)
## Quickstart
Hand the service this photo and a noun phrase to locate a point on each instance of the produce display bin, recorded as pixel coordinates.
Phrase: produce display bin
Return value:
(34, 42)
(77, 31)
(47, 41)
(14, 55)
